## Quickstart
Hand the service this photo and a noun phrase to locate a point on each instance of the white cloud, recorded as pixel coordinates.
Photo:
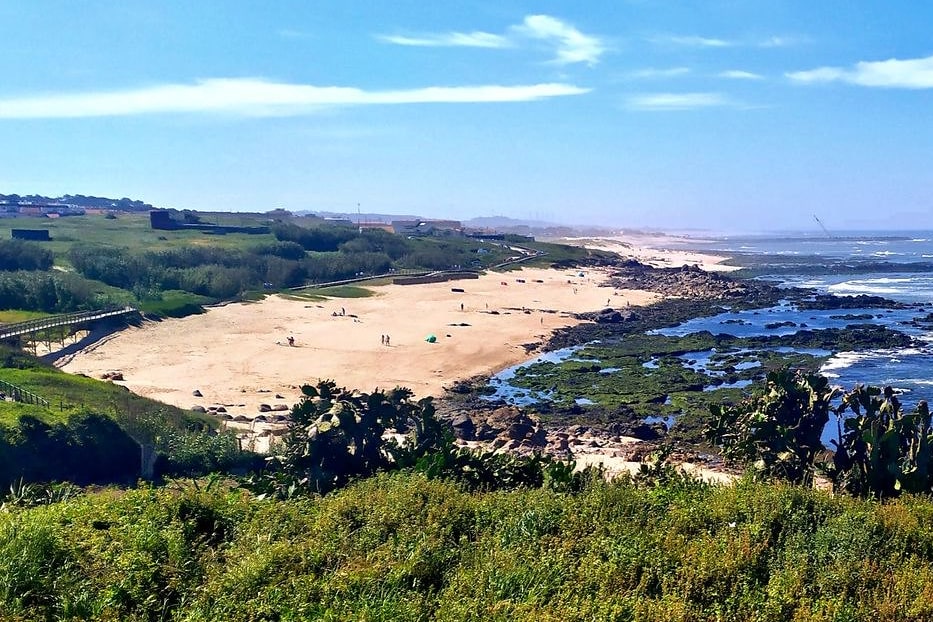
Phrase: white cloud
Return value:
(258, 97)
(736, 74)
(676, 101)
(693, 41)
(652, 72)
(572, 45)
(914, 73)
(452, 39)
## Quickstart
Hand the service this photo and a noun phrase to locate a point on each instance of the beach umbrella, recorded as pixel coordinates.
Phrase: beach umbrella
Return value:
(430, 338)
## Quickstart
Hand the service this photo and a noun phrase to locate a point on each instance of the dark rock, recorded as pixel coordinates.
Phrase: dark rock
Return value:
(485, 432)
(280, 407)
(464, 428)
(198, 409)
(264, 408)
(518, 430)
(196, 393)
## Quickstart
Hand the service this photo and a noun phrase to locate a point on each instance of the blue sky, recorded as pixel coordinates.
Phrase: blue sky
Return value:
(724, 114)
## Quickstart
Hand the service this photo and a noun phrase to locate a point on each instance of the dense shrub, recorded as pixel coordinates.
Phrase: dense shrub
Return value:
(21, 255)
(51, 292)
(88, 449)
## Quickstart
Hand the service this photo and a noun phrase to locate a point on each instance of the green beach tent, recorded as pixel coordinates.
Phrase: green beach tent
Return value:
(430, 338)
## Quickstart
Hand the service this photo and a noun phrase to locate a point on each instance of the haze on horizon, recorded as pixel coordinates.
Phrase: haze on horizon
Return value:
(722, 115)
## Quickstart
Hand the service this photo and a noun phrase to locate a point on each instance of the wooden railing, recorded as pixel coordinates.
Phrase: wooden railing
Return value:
(64, 319)
(19, 394)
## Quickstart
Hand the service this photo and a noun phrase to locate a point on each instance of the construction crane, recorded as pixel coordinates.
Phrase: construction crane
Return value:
(822, 226)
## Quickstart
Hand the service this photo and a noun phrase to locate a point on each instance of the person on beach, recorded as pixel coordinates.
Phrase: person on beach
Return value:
(291, 340)
(382, 339)
(387, 340)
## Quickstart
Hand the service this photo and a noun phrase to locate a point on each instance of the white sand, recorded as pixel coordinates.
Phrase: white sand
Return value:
(655, 250)
(232, 352)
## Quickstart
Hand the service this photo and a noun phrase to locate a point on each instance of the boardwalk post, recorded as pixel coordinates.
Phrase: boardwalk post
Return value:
(147, 461)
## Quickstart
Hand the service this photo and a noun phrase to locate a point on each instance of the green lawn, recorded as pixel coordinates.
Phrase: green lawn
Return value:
(129, 230)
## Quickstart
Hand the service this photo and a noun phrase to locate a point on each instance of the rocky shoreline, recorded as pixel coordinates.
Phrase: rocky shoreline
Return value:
(688, 293)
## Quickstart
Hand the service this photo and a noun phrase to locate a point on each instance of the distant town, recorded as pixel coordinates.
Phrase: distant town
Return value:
(32, 206)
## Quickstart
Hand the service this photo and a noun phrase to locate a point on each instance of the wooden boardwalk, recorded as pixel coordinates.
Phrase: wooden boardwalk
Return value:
(66, 319)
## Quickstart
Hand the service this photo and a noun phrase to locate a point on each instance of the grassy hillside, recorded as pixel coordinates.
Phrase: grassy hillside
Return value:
(84, 413)
(405, 548)
(95, 260)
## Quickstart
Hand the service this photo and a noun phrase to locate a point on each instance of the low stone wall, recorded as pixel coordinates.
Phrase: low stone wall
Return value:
(434, 278)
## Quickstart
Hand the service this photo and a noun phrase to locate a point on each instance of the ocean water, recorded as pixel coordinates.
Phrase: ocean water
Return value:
(908, 370)
(889, 246)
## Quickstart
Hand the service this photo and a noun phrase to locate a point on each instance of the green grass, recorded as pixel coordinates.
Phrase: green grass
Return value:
(175, 303)
(405, 548)
(129, 230)
(12, 316)
(69, 394)
(343, 291)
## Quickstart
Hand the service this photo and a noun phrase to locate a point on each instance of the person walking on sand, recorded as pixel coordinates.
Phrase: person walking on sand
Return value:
(387, 340)
(461, 306)
(382, 339)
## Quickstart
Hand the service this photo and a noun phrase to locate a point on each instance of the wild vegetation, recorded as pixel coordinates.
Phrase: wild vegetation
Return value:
(121, 260)
(405, 547)
(880, 451)
(91, 431)
(420, 530)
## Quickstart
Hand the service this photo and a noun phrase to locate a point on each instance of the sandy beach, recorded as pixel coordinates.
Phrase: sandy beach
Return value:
(238, 356)
(659, 251)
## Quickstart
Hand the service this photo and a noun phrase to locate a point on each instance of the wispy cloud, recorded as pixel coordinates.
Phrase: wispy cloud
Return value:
(652, 72)
(736, 74)
(913, 73)
(570, 44)
(451, 39)
(692, 41)
(677, 101)
(777, 42)
(697, 41)
(258, 97)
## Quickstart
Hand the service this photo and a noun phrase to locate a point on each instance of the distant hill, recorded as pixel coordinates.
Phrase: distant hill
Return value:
(537, 228)
(78, 200)
(495, 222)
